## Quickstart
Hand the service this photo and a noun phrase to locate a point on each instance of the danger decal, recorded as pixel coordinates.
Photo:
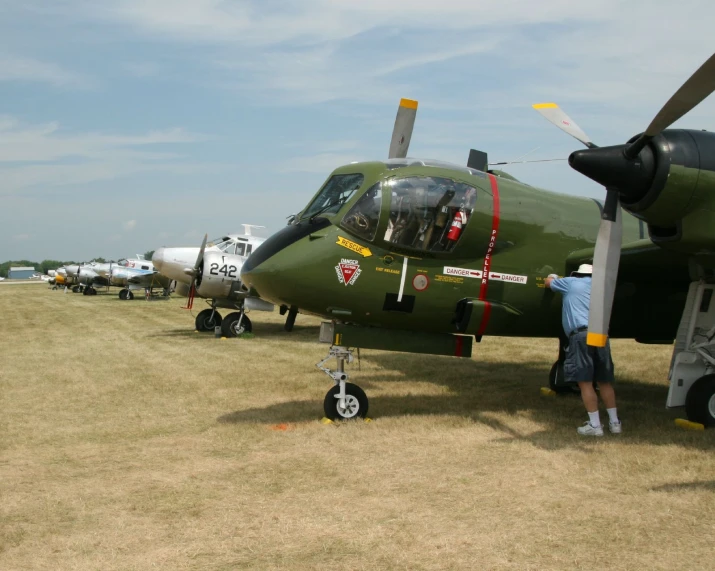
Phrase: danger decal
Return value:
(462, 272)
(348, 271)
(507, 278)
(479, 274)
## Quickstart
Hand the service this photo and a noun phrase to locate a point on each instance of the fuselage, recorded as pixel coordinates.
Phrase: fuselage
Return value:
(382, 254)
(178, 263)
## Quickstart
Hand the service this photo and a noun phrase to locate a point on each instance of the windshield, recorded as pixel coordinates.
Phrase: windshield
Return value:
(223, 244)
(428, 213)
(363, 217)
(336, 192)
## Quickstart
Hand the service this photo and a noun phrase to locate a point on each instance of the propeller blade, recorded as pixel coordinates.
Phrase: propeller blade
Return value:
(691, 93)
(200, 258)
(555, 115)
(606, 257)
(402, 132)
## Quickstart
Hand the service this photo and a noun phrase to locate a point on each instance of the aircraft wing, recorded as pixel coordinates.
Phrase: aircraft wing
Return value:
(641, 260)
(147, 278)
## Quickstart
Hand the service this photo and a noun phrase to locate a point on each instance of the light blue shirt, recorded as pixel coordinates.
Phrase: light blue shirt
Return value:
(577, 296)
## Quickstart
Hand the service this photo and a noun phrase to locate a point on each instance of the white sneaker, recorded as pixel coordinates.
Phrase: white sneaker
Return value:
(589, 430)
(615, 427)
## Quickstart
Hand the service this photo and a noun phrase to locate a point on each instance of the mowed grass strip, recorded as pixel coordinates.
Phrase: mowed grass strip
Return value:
(130, 442)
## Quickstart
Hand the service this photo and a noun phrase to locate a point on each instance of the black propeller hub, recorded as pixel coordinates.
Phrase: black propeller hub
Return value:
(610, 167)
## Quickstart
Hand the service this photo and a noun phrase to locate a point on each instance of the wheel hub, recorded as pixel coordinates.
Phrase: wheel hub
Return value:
(711, 406)
(351, 409)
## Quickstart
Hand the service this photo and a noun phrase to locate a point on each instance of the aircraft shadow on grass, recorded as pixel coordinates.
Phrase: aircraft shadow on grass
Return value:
(706, 485)
(272, 331)
(476, 390)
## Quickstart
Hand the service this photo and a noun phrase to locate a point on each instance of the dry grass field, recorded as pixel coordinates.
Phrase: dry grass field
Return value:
(127, 441)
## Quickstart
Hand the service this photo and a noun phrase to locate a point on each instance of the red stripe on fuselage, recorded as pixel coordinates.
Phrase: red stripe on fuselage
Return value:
(459, 344)
(488, 256)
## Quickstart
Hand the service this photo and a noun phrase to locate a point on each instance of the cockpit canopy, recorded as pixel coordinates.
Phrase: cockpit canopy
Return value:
(425, 213)
(229, 245)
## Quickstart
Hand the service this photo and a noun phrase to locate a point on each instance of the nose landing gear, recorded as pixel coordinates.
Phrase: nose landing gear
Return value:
(345, 401)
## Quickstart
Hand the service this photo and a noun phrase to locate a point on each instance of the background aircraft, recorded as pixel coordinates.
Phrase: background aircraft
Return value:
(212, 272)
(128, 274)
(416, 255)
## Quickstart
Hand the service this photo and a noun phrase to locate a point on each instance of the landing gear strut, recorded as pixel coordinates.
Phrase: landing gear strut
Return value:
(345, 401)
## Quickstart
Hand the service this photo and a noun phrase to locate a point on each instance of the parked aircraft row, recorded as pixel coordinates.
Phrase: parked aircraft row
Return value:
(424, 256)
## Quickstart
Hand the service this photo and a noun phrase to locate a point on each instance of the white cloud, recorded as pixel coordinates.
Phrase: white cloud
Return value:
(14, 68)
(129, 225)
(21, 237)
(45, 154)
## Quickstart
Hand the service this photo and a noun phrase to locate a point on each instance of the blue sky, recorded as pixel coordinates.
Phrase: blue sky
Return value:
(130, 124)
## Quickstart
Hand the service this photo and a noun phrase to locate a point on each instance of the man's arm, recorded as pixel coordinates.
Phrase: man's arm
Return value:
(555, 283)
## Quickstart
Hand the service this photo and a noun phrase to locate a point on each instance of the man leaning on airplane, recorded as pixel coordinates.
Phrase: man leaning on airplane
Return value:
(585, 364)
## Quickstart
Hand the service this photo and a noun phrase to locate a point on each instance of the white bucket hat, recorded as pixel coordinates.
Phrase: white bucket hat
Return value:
(584, 270)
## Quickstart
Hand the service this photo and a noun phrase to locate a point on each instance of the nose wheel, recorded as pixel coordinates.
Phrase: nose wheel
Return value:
(345, 401)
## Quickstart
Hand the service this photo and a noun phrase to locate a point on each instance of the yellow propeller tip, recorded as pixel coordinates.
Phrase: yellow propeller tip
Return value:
(596, 339)
(409, 103)
(545, 106)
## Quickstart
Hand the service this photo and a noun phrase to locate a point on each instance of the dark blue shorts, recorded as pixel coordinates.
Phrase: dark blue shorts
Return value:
(584, 363)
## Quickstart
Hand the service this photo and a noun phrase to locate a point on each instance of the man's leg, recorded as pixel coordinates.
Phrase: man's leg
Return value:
(607, 394)
(588, 396)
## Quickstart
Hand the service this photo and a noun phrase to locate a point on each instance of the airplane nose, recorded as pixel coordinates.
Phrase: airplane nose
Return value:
(158, 259)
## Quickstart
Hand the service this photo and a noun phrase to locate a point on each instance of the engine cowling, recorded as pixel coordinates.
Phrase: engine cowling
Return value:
(219, 276)
(670, 185)
(182, 289)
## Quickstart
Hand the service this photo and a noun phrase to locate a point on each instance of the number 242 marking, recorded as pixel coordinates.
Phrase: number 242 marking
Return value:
(228, 271)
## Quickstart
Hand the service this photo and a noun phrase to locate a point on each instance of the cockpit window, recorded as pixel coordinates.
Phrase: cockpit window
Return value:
(428, 213)
(240, 249)
(363, 217)
(336, 192)
(224, 244)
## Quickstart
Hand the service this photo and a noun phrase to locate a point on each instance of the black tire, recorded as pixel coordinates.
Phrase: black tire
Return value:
(700, 401)
(75, 289)
(92, 291)
(229, 325)
(356, 400)
(557, 384)
(123, 294)
(87, 291)
(204, 322)
(130, 295)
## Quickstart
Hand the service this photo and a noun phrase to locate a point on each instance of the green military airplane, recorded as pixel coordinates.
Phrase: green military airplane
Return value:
(421, 255)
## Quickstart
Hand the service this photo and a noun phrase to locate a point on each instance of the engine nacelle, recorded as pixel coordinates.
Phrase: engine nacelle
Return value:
(182, 289)
(670, 184)
(683, 177)
(219, 276)
(119, 276)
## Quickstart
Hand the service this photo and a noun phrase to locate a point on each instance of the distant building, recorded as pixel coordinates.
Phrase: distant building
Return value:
(21, 273)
